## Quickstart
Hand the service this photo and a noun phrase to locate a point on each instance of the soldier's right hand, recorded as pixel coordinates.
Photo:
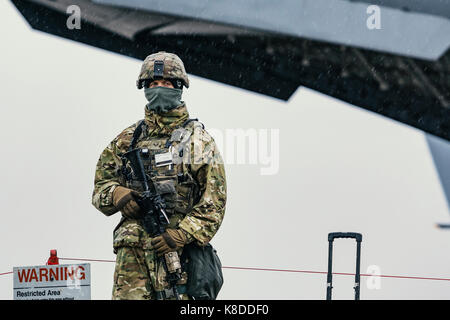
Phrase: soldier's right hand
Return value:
(124, 200)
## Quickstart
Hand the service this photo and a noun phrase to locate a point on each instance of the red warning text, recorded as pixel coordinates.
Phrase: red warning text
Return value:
(54, 273)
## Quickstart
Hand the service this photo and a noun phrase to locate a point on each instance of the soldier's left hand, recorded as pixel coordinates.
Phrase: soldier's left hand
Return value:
(171, 240)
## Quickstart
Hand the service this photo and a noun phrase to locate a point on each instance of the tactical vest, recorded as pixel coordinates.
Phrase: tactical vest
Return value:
(167, 166)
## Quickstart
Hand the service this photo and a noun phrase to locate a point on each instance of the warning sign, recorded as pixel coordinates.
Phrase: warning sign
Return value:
(53, 282)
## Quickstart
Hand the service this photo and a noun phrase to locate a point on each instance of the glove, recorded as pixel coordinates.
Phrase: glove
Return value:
(171, 240)
(123, 200)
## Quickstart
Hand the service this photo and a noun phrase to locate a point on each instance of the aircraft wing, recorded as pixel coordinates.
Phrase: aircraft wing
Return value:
(440, 151)
(400, 71)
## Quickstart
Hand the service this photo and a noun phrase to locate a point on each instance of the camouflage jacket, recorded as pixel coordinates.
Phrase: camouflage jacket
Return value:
(201, 161)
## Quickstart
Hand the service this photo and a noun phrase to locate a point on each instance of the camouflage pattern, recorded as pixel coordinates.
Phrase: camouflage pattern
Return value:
(135, 275)
(200, 161)
(173, 68)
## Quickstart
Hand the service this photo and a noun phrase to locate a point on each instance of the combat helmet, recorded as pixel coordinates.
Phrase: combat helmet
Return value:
(163, 65)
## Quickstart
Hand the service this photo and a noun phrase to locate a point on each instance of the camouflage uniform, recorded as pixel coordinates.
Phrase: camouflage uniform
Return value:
(194, 189)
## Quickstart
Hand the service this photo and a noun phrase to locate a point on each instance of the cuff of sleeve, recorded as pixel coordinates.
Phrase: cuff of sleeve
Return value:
(109, 196)
(189, 237)
(102, 199)
(189, 229)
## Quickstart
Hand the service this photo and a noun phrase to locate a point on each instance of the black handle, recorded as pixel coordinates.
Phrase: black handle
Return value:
(337, 235)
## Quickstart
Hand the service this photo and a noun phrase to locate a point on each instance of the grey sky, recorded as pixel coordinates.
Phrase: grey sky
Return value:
(341, 169)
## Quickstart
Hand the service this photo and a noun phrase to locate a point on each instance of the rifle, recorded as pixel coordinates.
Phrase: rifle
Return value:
(155, 219)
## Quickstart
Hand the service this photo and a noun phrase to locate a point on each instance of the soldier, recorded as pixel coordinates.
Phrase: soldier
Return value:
(186, 169)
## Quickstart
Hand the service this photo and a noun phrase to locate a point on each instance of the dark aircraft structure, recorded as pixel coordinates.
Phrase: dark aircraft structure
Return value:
(390, 57)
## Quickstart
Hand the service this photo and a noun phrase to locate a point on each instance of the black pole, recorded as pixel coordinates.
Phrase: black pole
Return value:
(357, 273)
(330, 274)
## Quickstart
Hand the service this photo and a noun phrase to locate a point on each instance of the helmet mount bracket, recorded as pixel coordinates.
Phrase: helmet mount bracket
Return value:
(158, 69)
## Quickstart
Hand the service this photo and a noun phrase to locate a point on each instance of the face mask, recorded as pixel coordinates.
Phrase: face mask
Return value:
(162, 99)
